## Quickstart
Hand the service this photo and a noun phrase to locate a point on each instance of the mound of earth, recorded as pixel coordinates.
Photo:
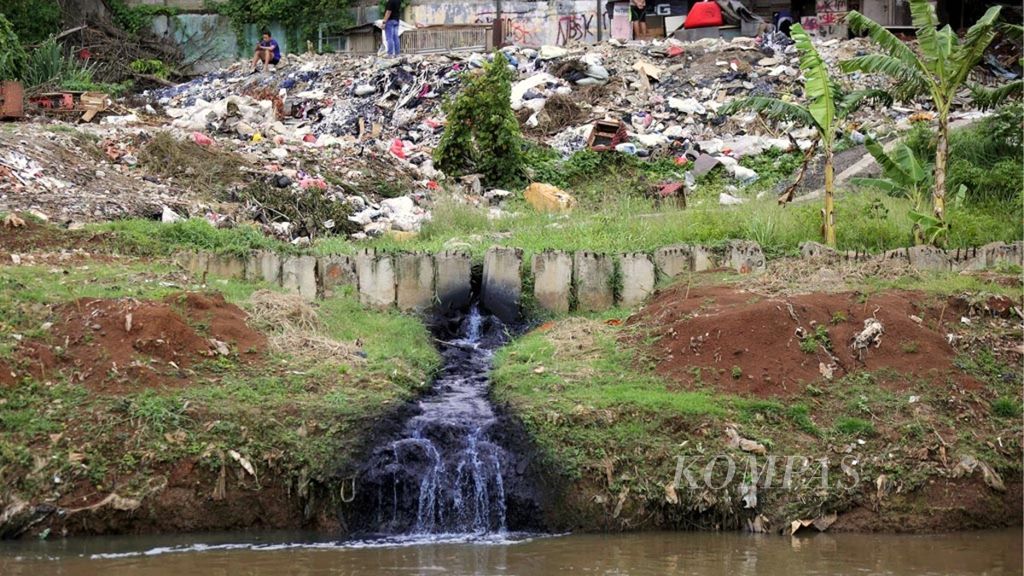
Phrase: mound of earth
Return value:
(744, 343)
(116, 345)
(20, 234)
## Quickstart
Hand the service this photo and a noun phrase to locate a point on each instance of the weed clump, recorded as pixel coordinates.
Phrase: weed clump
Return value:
(312, 211)
(205, 169)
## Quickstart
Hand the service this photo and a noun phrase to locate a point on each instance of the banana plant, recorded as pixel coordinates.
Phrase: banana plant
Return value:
(827, 106)
(904, 175)
(939, 71)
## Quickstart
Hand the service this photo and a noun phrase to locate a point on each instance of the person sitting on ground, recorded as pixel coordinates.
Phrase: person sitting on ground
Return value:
(638, 15)
(392, 15)
(267, 51)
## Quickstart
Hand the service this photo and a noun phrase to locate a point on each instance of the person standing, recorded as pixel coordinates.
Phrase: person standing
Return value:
(392, 15)
(638, 15)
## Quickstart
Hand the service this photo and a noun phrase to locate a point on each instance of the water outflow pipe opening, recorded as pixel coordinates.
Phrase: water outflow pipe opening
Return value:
(452, 466)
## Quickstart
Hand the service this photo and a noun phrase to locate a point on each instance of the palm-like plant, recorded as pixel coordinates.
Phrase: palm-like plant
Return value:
(827, 105)
(941, 69)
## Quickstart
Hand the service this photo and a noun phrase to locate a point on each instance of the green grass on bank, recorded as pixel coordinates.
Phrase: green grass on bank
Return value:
(614, 428)
(292, 416)
(867, 221)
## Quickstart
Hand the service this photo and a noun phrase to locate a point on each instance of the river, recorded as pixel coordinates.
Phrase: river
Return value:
(659, 553)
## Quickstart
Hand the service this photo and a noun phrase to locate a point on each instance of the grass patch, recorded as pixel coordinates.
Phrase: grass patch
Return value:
(1006, 408)
(854, 427)
(150, 237)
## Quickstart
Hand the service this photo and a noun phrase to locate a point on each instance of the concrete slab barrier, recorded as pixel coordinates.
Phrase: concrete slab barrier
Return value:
(414, 274)
(592, 278)
(376, 278)
(638, 278)
(502, 286)
(552, 280)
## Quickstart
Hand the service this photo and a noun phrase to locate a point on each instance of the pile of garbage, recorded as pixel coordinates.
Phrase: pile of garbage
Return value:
(361, 130)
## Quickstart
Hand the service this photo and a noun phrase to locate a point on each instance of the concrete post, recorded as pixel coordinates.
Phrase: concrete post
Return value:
(453, 283)
(415, 280)
(376, 279)
(298, 274)
(334, 271)
(593, 280)
(502, 284)
(674, 260)
(552, 280)
(638, 278)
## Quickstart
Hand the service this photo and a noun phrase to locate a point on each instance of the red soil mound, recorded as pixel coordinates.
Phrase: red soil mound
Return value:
(127, 344)
(744, 343)
(31, 236)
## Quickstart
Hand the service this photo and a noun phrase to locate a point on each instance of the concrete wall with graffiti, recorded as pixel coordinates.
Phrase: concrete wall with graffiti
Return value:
(534, 23)
(556, 22)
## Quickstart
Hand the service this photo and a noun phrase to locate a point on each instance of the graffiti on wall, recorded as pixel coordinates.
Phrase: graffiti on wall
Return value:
(576, 28)
(828, 20)
(518, 27)
(558, 22)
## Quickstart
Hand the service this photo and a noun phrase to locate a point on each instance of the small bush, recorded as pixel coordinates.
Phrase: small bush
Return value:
(206, 169)
(482, 133)
(1006, 408)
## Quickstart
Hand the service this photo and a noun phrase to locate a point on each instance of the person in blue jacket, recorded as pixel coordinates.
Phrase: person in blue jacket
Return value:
(267, 51)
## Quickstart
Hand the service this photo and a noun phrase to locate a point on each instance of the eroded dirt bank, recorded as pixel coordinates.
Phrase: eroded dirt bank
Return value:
(919, 425)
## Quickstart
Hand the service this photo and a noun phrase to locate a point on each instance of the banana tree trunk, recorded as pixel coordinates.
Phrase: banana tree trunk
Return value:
(830, 214)
(941, 156)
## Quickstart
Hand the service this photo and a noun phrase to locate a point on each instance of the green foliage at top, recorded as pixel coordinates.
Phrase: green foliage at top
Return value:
(826, 105)
(135, 19)
(35, 21)
(12, 55)
(945, 60)
(482, 133)
(941, 69)
(301, 18)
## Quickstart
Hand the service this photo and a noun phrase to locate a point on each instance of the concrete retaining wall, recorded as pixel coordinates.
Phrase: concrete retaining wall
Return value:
(562, 282)
(376, 278)
(552, 280)
(592, 277)
(502, 285)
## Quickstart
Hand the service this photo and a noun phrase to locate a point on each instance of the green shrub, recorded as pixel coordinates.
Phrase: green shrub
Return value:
(1006, 408)
(482, 133)
(35, 21)
(12, 55)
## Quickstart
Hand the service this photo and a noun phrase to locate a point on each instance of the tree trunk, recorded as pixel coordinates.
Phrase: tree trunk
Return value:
(941, 155)
(830, 208)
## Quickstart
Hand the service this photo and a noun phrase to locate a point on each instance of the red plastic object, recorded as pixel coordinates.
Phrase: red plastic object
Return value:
(201, 139)
(674, 51)
(397, 148)
(703, 14)
(309, 138)
(318, 183)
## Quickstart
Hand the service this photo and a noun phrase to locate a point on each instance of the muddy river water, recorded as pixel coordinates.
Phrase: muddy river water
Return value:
(274, 554)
